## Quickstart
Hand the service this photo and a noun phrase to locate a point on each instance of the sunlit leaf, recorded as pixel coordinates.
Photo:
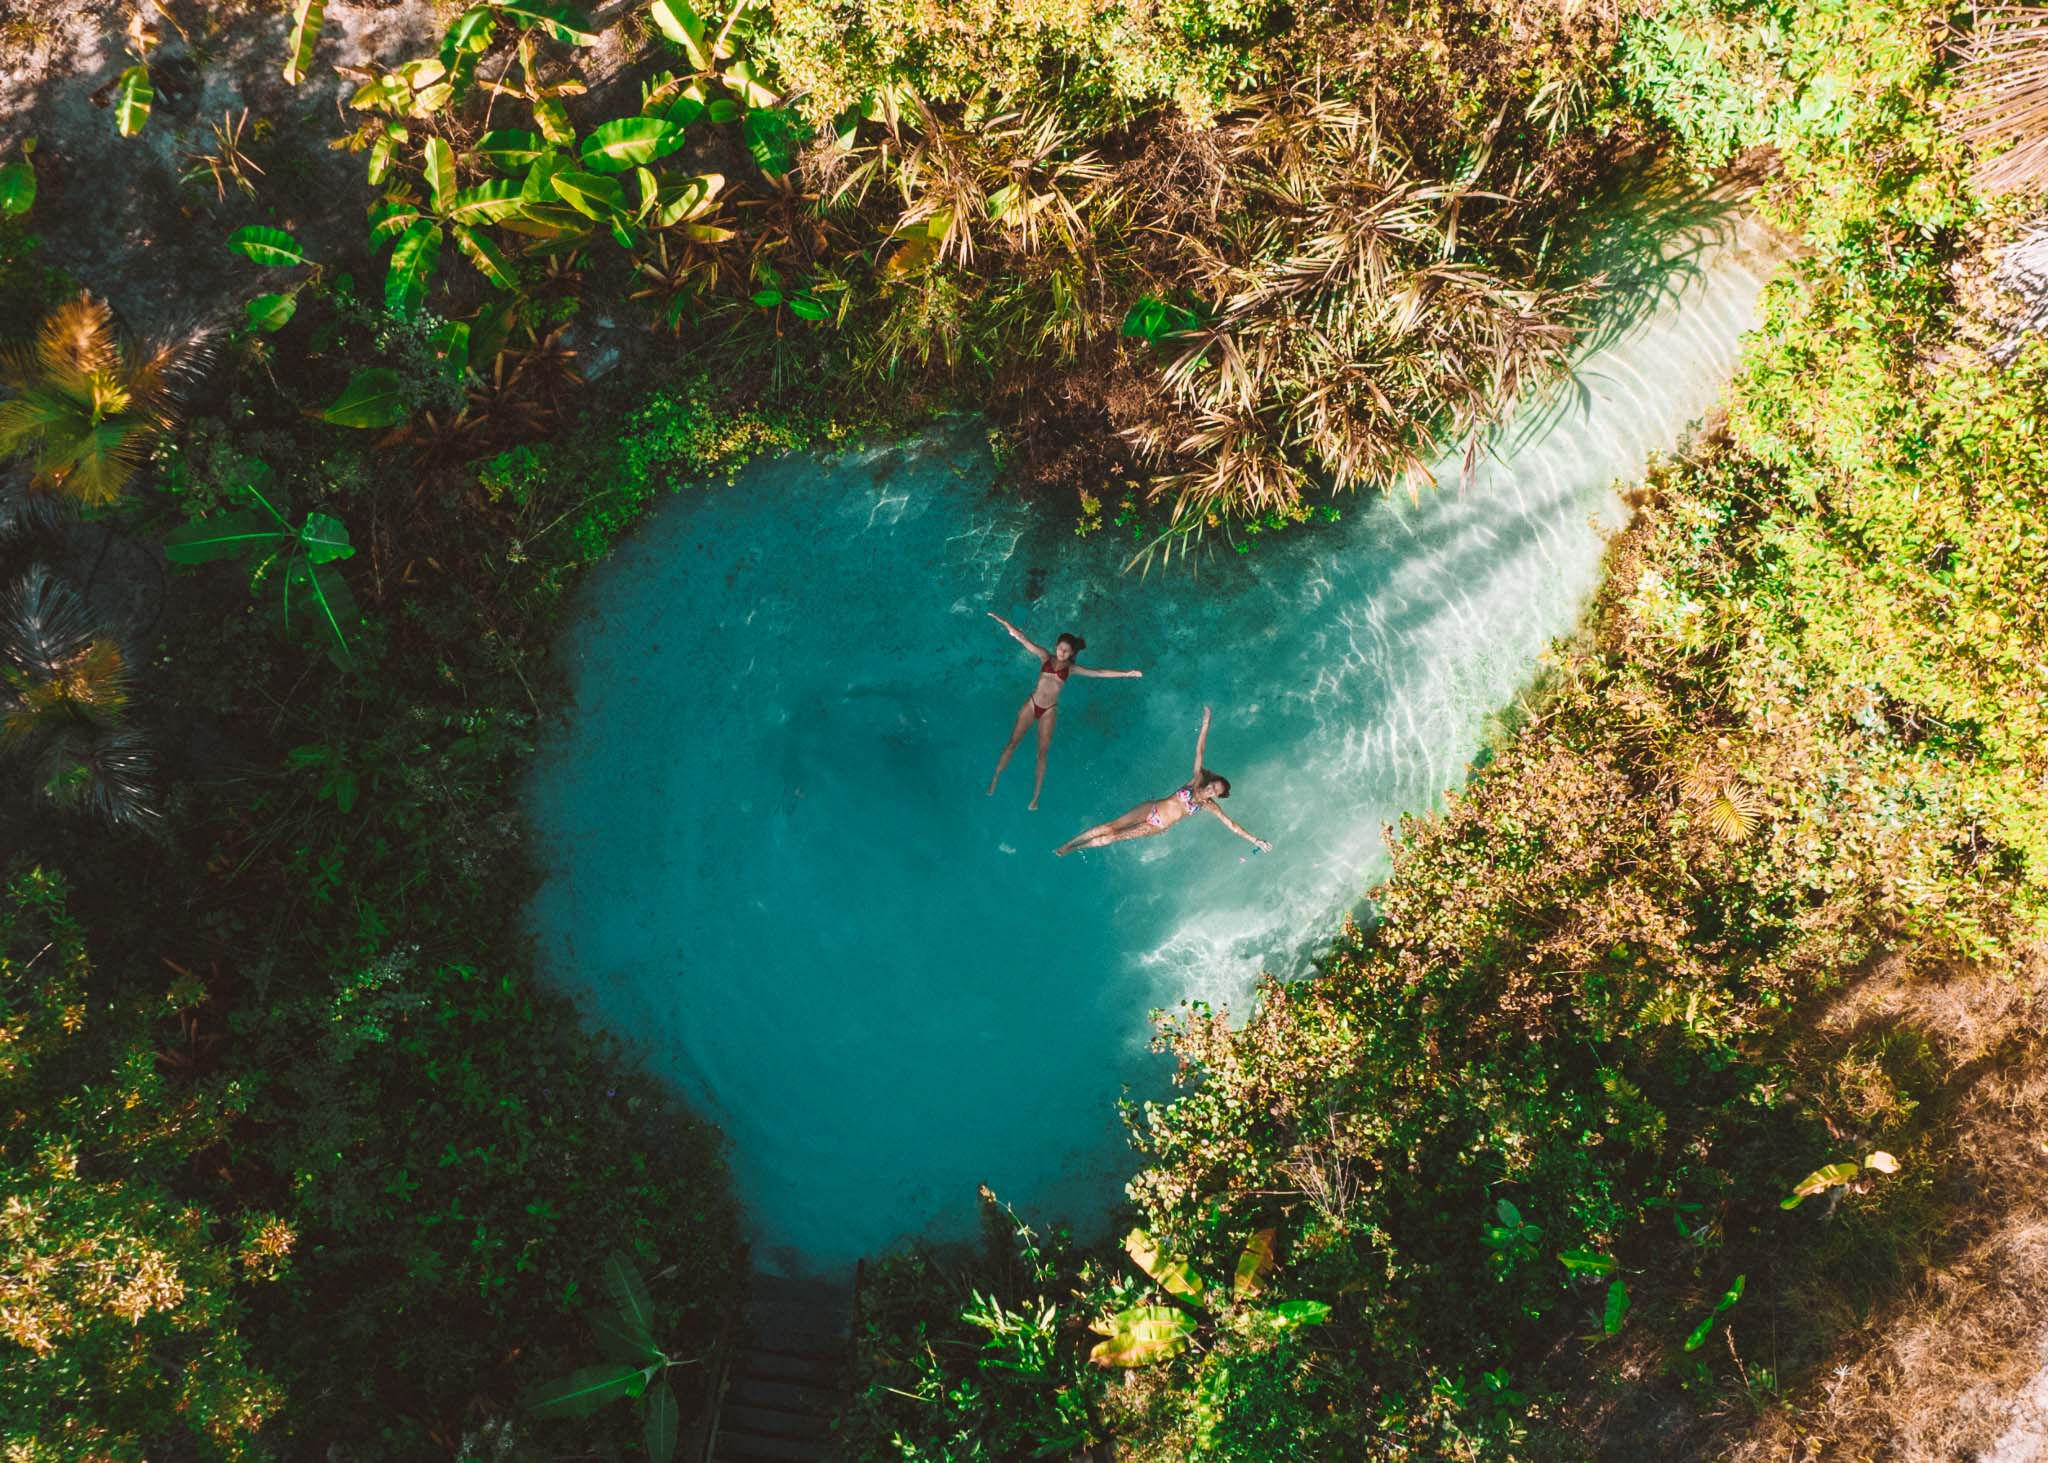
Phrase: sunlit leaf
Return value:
(564, 23)
(437, 162)
(325, 538)
(17, 188)
(628, 142)
(1173, 1272)
(133, 97)
(1291, 1313)
(1820, 1181)
(1882, 1161)
(679, 21)
(272, 312)
(273, 248)
(1587, 1262)
(510, 150)
(484, 256)
(486, 203)
(1253, 1265)
(307, 18)
(1140, 1335)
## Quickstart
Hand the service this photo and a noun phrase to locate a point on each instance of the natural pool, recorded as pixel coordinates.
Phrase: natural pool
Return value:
(771, 865)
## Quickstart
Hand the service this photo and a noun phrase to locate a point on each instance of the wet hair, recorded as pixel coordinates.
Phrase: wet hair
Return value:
(1208, 777)
(1068, 637)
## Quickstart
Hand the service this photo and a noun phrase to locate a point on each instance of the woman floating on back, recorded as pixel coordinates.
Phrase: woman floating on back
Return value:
(1199, 793)
(1042, 705)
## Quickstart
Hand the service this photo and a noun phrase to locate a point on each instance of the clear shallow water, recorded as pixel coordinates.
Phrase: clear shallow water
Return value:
(771, 865)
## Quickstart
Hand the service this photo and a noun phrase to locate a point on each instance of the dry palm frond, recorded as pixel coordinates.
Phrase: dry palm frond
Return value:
(88, 404)
(229, 162)
(2003, 99)
(1728, 806)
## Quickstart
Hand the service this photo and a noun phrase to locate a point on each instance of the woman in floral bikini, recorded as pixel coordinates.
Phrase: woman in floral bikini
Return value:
(1198, 794)
(1042, 706)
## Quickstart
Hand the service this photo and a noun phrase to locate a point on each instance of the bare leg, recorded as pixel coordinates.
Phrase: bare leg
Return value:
(1016, 735)
(1133, 824)
(1044, 740)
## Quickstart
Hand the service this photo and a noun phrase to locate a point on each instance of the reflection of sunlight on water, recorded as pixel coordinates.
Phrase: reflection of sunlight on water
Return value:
(773, 867)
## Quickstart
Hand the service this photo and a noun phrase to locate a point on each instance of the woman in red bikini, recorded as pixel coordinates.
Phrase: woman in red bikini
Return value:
(1043, 705)
(1156, 815)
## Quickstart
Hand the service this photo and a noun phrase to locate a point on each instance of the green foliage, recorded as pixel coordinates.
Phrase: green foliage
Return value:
(637, 1366)
(297, 561)
(123, 1328)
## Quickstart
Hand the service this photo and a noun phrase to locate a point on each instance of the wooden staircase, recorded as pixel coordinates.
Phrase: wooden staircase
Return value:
(787, 1374)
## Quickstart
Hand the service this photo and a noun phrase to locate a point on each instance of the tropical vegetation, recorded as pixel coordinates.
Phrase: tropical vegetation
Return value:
(1679, 1058)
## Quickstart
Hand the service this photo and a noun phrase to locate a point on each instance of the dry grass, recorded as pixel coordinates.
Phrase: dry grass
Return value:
(1935, 1371)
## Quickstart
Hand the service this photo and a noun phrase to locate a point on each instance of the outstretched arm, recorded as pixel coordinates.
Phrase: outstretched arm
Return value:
(1105, 675)
(1254, 840)
(1201, 741)
(1020, 637)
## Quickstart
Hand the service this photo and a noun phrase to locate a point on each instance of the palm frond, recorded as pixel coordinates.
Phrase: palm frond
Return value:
(2002, 102)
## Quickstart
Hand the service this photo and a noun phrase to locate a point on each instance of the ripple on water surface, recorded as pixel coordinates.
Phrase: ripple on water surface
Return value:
(771, 866)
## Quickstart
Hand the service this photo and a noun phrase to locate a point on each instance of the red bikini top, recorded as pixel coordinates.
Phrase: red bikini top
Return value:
(1055, 668)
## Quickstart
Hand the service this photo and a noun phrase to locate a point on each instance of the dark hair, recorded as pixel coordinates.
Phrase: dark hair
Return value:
(1068, 637)
(1208, 777)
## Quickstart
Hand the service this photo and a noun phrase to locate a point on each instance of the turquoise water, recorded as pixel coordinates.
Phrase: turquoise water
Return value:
(772, 868)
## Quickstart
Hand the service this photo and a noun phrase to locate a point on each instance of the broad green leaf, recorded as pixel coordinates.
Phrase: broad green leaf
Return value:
(806, 308)
(583, 1391)
(598, 198)
(485, 256)
(390, 218)
(1140, 1335)
(380, 154)
(422, 72)
(677, 111)
(553, 122)
(228, 536)
(628, 1291)
(307, 18)
(510, 150)
(620, 1339)
(741, 79)
(1171, 1271)
(325, 538)
(1254, 1264)
(539, 183)
(1292, 1313)
(272, 248)
(486, 203)
(1587, 1262)
(689, 199)
(680, 22)
(468, 35)
(1701, 1332)
(272, 312)
(133, 97)
(451, 343)
(437, 161)
(385, 93)
(660, 1423)
(1732, 1294)
(627, 143)
(17, 188)
(1509, 1214)
(323, 593)
(1616, 1311)
(371, 399)
(430, 99)
(412, 264)
(562, 22)
(767, 299)
(773, 136)
(722, 110)
(1820, 1181)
